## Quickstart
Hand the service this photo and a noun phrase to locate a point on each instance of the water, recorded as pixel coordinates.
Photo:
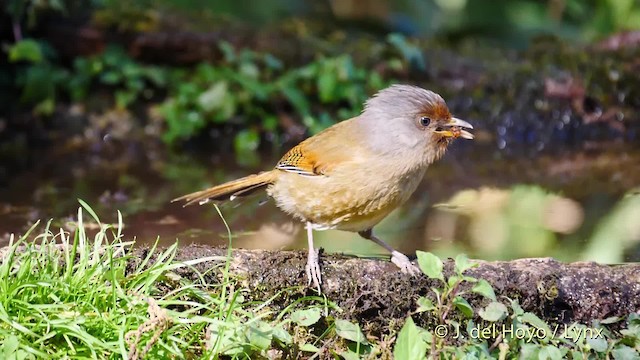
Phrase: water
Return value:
(141, 179)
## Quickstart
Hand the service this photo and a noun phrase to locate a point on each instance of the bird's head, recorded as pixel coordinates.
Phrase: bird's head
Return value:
(405, 116)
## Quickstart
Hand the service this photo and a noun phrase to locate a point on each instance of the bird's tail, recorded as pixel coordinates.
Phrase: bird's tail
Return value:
(230, 190)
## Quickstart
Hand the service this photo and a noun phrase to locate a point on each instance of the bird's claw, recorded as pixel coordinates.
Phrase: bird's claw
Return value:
(403, 262)
(313, 269)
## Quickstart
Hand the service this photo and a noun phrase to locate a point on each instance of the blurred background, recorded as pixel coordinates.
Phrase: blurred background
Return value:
(128, 104)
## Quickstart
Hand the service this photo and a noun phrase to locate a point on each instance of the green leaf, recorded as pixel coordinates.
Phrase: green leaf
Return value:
(249, 70)
(272, 62)
(349, 355)
(309, 348)
(437, 292)
(409, 344)
(350, 331)
(280, 334)
(533, 320)
(306, 317)
(606, 245)
(260, 335)
(39, 84)
(425, 304)
(495, 311)
(375, 81)
(463, 264)
(484, 288)
(11, 345)
(214, 97)
(228, 51)
(598, 343)
(633, 321)
(574, 332)
(529, 351)
(327, 82)
(517, 309)
(550, 352)
(430, 265)
(297, 99)
(110, 77)
(410, 52)
(576, 355)
(270, 123)
(425, 335)
(610, 320)
(246, 140)
(89, 210)
(26, 50)
(45, 107)
(453, 280)
(463, 305)
(623, 352)
(633, 326)
(124, 98)
(469, 279)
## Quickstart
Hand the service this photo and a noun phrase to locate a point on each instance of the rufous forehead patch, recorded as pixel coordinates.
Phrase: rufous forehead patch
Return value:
(437, 111)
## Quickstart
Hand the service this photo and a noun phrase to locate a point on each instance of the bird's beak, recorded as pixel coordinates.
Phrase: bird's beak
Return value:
(454, 129)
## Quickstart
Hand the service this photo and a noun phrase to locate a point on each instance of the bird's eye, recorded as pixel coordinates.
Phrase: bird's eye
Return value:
(425, 121)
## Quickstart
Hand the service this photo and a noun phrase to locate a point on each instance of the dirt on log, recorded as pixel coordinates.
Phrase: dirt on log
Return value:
(376, 293)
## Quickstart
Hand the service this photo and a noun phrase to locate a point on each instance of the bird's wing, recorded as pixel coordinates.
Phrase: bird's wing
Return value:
(320, 154)
(299, 161)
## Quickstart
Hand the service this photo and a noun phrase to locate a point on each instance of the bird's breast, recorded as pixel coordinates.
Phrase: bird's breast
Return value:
(353, 198)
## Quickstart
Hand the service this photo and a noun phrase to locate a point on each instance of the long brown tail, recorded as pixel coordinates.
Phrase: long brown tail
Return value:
(230, 190)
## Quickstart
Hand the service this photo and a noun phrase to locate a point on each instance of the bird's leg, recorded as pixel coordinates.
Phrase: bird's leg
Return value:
(398, 258)
(313, 266)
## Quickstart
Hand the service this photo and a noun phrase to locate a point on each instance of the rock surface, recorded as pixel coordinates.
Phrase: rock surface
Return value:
(377, 294)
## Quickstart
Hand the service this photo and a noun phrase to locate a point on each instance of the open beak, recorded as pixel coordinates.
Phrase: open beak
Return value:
(453, 129)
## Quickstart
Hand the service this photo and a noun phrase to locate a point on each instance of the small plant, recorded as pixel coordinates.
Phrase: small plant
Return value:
(504, 331)
(449, 297)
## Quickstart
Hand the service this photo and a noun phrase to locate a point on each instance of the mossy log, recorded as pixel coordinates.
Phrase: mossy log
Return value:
(376, 293)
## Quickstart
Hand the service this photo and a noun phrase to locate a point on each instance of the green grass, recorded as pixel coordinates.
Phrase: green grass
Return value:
(84, 294)
(69, 295)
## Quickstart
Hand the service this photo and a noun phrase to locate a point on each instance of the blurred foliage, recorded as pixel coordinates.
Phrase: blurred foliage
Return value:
(510, 23)
(514, 22)
(26, 11)
(253, 90)
(617, 232)
(246, 88)
(43, 82)
(139, 15)
(258, 88)
(527, 221)
(129, 80)
(40, 79)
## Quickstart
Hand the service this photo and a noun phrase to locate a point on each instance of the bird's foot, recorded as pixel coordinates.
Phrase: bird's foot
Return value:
(313, 269)
(403, 262)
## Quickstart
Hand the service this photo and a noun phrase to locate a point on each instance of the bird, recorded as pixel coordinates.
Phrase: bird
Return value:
(351, 175)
